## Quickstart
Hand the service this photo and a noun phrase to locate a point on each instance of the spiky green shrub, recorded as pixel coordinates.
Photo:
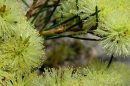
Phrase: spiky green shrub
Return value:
(94, 75)
(21, 51)
(10, 13)
(116, 34)
(98, 75)
(112, 22)
(114, 27)
(21, 47)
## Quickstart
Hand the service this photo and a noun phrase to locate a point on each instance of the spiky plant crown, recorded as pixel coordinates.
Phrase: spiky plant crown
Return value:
(94, 75)
(9, 12)
(114, 27)
(116, 34)
(113, 23)
(13, 79)
(21, 49)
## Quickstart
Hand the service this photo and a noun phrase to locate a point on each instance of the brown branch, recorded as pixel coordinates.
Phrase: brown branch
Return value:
(58, 30)
(31, 10)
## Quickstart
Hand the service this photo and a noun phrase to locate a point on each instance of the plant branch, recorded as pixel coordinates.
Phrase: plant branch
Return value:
(51, 14)
(32, 8)
(25, 3)
(74, 37)
(52, 31)
(90, 39)
(110, 61)
(61, 29)
(41, 9)
(81, 21)
(61, 23)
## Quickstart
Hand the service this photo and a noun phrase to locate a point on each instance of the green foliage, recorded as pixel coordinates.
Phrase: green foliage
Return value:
(21, 51)
(10, 13)
(82, 8)
(112, 22)
(115, 32)
(21, 47)
(12, 79)
(68, 8)
(114, 27)
(87, 7)
(94, 75)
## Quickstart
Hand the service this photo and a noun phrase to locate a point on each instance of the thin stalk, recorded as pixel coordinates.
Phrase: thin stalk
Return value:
(62, 30)
(52, 5)
(52, 31)
(72, 18)
(110, 61)
(81, 21)
(41, 9)
(25, 3)
(90, 39)
(70, 36)
(61, 23)
(50, 16)
(97, 16)
(45, 8)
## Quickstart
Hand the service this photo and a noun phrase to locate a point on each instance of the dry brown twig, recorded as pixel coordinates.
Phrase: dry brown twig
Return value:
(31, 10)
(58, 30)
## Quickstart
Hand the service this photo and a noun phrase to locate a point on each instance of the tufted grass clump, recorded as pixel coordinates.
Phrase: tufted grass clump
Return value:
(94, 75)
